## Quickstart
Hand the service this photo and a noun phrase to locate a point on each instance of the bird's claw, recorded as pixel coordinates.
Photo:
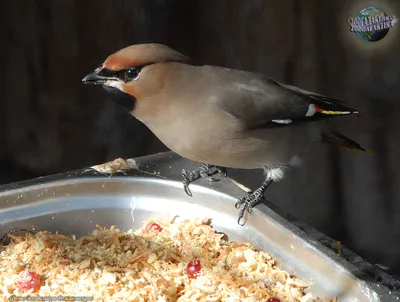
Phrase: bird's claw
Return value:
(187, 190)
(210, 170)
(188, 177)
(208, 177)
(206, 171)
(246, 204)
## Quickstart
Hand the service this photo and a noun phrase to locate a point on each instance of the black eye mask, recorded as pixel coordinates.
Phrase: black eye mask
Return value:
(126, 75)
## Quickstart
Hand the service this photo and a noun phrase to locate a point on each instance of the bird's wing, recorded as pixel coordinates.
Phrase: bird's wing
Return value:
(258, 101)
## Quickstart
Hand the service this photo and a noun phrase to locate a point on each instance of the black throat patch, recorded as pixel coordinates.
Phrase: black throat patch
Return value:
(123, 99)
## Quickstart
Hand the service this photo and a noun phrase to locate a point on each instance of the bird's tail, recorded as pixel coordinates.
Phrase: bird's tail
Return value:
(340, 140)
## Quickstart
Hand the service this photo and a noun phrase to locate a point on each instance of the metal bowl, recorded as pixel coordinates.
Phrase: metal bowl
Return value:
(73, 203)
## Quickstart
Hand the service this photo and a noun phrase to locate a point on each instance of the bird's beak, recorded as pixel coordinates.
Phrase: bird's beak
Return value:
(96, 78)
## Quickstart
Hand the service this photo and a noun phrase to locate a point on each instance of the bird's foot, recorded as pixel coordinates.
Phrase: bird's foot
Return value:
(248, 202)
(205, 170)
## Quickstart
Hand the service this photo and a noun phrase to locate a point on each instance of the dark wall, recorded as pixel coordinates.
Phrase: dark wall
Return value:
(51, 122)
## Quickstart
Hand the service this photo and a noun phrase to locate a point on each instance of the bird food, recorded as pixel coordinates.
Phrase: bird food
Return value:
(174, 261)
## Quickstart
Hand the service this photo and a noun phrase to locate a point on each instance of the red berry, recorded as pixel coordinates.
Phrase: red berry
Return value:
(273, 300)
(28, 280)
(193, 269)
(153, 228)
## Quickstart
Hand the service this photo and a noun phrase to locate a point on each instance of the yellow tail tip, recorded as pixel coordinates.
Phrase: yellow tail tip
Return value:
(370, 152)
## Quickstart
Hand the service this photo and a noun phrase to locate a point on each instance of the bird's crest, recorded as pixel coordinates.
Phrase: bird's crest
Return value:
(142, 55)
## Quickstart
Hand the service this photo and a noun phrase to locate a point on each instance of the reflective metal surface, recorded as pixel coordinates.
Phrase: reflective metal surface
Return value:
(73, 203)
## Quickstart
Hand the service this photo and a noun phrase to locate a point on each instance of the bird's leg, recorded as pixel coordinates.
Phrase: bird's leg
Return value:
(246, 203)
(205, 170)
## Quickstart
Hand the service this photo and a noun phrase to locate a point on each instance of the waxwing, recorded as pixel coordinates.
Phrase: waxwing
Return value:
(220, 117)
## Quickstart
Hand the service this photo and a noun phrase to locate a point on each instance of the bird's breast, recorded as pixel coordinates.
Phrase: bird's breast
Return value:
(191, 137)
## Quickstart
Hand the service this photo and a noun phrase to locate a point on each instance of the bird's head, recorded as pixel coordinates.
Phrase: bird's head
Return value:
(129, 73)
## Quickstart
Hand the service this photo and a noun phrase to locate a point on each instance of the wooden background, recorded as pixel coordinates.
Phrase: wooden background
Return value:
(50, 122)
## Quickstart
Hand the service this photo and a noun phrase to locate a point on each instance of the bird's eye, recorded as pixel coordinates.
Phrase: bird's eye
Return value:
(131, 74)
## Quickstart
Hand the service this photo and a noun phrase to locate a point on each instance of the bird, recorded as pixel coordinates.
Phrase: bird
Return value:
(220, 117)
